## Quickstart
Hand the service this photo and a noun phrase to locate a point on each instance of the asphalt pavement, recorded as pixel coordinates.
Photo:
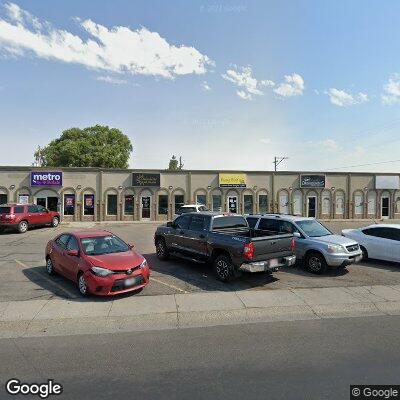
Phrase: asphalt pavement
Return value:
(316, 359)
(23, 275)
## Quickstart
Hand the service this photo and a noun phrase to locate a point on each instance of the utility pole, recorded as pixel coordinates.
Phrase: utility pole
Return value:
(278, 160)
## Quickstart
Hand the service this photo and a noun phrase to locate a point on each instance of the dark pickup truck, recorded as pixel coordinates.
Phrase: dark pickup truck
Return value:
(226, 241)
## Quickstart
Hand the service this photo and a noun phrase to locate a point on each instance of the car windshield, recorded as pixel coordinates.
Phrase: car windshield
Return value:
(313, 228)
(100, 245)
(5, 210)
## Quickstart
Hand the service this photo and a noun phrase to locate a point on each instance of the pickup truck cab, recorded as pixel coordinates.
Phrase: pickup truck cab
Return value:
(225, 241)
(315, 244)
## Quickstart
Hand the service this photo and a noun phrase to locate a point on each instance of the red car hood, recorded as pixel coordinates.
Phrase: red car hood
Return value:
(117, 261)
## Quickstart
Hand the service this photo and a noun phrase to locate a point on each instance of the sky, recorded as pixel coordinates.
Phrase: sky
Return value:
(225, 85)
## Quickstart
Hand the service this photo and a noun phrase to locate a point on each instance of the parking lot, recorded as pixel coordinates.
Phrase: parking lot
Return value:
(23, 275)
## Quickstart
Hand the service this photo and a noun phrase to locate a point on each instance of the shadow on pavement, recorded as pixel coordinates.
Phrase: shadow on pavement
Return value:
(202, 275)
(64, 288)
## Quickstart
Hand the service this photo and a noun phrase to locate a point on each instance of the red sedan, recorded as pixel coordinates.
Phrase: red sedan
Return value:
(98, 261)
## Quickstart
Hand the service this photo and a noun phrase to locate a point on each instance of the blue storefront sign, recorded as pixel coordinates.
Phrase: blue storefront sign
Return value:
(46, 178)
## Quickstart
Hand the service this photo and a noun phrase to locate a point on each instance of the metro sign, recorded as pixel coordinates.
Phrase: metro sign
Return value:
(46, 178)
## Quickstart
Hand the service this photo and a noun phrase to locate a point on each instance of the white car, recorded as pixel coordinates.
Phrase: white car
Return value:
(191, 208)
(380, 241)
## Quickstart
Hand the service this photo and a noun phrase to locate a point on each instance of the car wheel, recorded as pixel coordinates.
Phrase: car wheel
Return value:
(316, 263)
(364, 253)
(223, 268)
(22, 227)
(162, 250)
(54, 222)
(82, 285)
(49, 266)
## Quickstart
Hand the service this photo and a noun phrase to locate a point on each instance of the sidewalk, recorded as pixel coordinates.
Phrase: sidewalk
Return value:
(139, 313)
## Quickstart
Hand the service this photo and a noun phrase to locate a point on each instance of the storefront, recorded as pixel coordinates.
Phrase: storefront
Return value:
(94, 194)
(45, 185)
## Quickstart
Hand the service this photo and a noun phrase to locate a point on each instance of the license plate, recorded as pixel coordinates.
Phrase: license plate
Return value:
(131, 282)
(274, 262)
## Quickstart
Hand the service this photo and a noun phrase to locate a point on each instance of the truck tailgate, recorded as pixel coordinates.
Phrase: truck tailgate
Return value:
(268, 247)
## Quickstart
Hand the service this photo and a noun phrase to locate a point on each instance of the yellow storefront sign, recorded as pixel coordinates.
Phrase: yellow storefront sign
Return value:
(232, 180)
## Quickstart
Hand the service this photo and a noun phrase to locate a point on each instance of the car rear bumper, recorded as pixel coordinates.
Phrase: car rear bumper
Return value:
(341, 260)
(114, 284)
(268, 266)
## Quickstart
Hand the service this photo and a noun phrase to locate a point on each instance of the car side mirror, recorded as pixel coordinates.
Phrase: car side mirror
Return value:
(131, 246)
(297, 235)
(73, 253)
(170, 224)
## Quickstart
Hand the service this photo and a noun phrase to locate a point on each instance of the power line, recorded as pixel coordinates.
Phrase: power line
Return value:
(364, 165)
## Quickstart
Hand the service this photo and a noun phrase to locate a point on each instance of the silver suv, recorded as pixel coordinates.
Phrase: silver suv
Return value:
(315, 244)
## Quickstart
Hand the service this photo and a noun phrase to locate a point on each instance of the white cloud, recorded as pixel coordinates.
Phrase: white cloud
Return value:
(243, 78)
(392, 90)
(118, 49)
(265, 140)
(292, 86)
(344, 99)
(112, 80)
(244, 95)
(205, 86)
(326, 144)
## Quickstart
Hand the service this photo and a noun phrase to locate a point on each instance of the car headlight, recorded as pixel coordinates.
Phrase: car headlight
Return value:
(144, 264)
(101, 271)
(335, 248)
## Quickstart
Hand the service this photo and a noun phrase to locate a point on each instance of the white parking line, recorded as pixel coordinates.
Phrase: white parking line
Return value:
(167, 284)
(64, 290)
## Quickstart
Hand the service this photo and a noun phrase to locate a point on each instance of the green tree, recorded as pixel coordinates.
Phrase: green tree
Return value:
(95, 146)
(174, 164)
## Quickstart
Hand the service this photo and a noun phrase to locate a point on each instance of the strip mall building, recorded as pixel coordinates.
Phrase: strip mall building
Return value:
(93, 194)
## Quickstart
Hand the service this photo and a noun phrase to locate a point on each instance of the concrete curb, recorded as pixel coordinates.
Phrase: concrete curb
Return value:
(139, 313)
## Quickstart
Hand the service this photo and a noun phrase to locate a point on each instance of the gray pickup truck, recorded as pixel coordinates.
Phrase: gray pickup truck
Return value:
(226, 241)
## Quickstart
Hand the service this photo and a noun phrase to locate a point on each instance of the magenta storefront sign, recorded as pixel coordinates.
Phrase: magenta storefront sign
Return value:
(45, 178)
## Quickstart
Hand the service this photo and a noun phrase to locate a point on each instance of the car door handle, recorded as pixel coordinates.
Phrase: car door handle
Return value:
(181, 232)
(201, 236)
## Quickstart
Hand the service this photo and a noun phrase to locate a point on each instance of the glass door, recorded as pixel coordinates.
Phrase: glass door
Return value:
(385, 207)
(232, 204)
(146, 204)
(312, 206)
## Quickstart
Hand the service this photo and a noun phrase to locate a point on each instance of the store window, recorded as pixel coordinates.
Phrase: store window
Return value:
(248, 204)
(88, 204)
(41, 201)
(163, 204)
(112, 204)
(217, 202)
(263, 203)
(69, 204)
(3, 198)
(179, 201)
(129, 204)
(201, 199)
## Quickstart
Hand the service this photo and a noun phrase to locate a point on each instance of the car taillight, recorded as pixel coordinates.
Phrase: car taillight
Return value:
(248, 250)
(293, 245)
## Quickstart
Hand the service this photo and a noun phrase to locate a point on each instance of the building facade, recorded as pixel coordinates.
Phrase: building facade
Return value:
(94, 194)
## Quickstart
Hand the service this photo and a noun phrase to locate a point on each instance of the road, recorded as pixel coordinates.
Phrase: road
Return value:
(23, 276)
(278, 360)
